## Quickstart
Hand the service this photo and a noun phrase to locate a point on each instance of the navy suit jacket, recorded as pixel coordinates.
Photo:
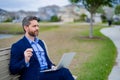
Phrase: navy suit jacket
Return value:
(17, 61)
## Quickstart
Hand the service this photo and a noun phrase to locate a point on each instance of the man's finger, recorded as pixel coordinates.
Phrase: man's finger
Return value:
(29, 50)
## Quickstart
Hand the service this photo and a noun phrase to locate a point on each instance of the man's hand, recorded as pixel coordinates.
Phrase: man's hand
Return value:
(54, 67)
(28, 54)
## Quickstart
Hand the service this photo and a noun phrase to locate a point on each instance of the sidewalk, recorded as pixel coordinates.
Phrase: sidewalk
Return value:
(114, 34)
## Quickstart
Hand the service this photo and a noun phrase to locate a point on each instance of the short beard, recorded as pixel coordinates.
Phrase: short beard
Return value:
(32, 34)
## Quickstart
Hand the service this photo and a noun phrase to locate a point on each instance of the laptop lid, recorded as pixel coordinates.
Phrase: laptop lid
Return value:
(66, 60)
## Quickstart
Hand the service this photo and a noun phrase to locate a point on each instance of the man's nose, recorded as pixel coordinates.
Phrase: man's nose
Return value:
(37, 27)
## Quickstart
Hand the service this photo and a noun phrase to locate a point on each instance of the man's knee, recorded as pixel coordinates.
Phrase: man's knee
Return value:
(65, 72)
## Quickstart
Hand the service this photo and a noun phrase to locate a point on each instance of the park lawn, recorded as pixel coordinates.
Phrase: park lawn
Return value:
(16, 28)
(94, 57)
(5, 28)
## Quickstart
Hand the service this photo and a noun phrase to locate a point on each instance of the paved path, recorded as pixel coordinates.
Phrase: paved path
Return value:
(114, 34)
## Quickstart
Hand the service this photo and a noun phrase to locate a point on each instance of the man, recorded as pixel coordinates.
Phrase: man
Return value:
(29, 56)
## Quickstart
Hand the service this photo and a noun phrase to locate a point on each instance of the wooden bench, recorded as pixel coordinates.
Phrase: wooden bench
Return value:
(4, 65)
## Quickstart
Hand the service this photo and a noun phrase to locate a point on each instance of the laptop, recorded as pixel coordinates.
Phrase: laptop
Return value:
(64, 62)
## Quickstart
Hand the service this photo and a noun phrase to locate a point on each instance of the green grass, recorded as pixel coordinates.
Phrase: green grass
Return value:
(9, 28)
(99, 65)
(16, 28)
(94, 57)
(46, 28)
(103, 55)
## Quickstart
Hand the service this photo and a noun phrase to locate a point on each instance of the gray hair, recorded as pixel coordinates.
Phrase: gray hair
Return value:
(27, 19)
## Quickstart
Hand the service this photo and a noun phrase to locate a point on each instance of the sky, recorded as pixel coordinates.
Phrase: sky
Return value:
(29, 5)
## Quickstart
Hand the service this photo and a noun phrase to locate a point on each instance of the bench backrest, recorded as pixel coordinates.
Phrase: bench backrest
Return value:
(4, 65)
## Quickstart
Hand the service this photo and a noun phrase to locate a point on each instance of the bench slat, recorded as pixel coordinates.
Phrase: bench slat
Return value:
(5, 57)
(4, 73)
(5, 52)
(4, 64)
(4, 68)
(6, 77)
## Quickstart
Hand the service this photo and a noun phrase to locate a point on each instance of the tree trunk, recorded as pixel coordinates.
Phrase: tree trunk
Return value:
(91, 26)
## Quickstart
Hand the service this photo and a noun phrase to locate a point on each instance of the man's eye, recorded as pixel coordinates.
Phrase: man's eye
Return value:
(36, 26)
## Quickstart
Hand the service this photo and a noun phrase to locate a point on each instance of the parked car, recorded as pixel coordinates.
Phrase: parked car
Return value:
(116, 19)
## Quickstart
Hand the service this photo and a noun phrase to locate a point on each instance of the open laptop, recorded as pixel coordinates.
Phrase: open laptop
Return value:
(64, 62)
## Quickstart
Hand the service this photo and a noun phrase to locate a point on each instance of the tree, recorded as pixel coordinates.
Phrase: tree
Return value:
(103, 17)
(100, 10)
(83, 17)
(92, 6)
(54, 19)
(117, 10)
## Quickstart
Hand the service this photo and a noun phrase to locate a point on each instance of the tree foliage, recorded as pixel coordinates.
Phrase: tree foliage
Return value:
(92, 6)
(100, 10)
(54, 19)
(75, 1)
(8, 20)
(117, 9)
(83, 17)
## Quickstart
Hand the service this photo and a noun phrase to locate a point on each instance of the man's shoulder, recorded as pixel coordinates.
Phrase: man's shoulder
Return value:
(19, 42)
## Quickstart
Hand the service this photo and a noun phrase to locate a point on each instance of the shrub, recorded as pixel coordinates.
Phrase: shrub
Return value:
(103, 17)
(116, 23)
(83, 17)
(8, 20)
(54, 19)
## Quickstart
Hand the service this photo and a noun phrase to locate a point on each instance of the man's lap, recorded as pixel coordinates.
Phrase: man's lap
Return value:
(61, 74)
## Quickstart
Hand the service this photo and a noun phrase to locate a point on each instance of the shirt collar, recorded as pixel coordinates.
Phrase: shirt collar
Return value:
(35, 40)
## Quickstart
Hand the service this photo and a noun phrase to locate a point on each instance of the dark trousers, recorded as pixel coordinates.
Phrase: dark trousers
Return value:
(61, 74)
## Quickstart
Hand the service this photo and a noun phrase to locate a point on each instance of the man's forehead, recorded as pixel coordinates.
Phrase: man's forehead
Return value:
(34, 22)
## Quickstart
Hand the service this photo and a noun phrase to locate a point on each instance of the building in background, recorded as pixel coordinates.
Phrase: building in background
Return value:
(4, 15)
(69, 13)
(45, 13)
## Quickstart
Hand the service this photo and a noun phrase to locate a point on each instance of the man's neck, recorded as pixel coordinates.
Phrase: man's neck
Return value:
(30, 37)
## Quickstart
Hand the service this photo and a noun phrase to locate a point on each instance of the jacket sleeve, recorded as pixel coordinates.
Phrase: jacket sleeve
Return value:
(17, 62)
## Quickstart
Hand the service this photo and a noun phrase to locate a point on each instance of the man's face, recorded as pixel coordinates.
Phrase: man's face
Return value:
(33, 28)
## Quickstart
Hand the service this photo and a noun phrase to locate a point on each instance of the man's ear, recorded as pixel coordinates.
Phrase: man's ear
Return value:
(25, 28)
